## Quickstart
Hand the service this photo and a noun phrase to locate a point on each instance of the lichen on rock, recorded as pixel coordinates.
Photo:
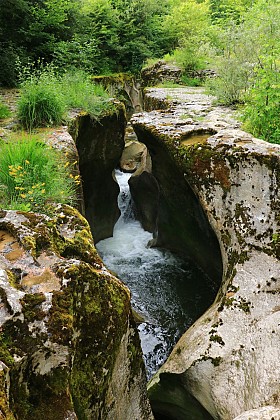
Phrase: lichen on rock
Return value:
(228, 360)
(66, 323)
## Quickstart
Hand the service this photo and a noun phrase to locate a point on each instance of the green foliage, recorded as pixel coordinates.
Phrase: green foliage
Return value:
(232, 82)
(100, 36)
(41, 103)
(4, 110)
(30, 30)
(188, 23)
(46, 96)
(226, 11)
(262, 112)
(32, 176)
(83, 94)
(191, 81)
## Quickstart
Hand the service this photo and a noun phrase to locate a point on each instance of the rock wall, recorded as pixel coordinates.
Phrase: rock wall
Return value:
(125, 87)
(69, 345)
(100, 145)
(229, 359)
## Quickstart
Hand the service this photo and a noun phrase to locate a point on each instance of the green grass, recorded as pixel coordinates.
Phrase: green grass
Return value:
(33, 176)
(83, 94)
(46, 97)
(4, 111)
(41, 103)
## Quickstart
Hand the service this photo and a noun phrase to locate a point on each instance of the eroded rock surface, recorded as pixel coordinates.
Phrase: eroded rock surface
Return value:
(229, 359)
(100, 145)
(161, 71)
(69, 345)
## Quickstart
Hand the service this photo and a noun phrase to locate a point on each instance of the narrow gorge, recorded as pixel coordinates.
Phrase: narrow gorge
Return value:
(207, 195)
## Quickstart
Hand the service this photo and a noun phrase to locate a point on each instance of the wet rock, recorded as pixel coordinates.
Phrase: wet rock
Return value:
(228, 360)
(69, 344)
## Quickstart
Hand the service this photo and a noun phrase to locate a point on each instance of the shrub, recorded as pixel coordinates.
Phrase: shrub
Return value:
(32, 176)
(262, 111)
(41, 103)
(232, 82)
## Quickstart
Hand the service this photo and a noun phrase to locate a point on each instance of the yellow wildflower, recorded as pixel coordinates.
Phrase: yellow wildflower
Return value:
(23, 195)
(27, 162)
(66, 164)
(43, 191)
(30, 192)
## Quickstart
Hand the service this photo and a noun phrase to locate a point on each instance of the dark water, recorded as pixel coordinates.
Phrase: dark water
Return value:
(168, 292)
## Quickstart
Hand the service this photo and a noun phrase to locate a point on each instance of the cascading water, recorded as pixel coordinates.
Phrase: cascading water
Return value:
(169, 293)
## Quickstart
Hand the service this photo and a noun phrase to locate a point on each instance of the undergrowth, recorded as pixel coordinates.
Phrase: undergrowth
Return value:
(47, 96)
(33, 176)
(4, 110)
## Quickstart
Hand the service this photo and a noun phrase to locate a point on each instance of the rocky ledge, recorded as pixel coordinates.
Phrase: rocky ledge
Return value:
(69, 344)
(229, 359)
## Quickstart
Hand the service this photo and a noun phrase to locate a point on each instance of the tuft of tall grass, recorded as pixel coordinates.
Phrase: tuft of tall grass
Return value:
(4, 111)
(41, 103)
(82, 93)
(46, 96)
(32, 176)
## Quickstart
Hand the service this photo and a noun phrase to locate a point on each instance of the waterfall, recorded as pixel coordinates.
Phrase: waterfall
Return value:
(168, 292)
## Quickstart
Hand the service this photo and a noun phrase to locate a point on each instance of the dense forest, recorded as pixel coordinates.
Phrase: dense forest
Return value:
(238, 39)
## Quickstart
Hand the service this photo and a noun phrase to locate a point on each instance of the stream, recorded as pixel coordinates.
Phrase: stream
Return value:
(169, 293)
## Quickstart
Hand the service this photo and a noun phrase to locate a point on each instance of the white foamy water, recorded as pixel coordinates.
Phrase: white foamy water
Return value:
(164, 288)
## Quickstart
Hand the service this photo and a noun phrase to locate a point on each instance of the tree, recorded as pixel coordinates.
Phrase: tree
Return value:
(188, 23)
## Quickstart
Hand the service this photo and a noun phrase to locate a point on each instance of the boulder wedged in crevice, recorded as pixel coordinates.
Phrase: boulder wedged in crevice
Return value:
(228, 359)
(100, 144)
(144, 191)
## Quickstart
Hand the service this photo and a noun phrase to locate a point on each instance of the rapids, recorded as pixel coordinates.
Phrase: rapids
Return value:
(168, 292)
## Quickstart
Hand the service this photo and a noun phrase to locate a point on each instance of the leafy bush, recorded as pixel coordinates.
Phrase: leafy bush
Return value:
(262, 112)
(232, 82)
(32, 176)
(41, 103)
(191, 81)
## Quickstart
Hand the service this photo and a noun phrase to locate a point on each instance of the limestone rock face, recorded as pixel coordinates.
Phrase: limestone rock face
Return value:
(145, 191)
(123, 85)
(160, 72)
(100, 145)
(263, 413)
(69, 345)
(229, 359)
(132, 156)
